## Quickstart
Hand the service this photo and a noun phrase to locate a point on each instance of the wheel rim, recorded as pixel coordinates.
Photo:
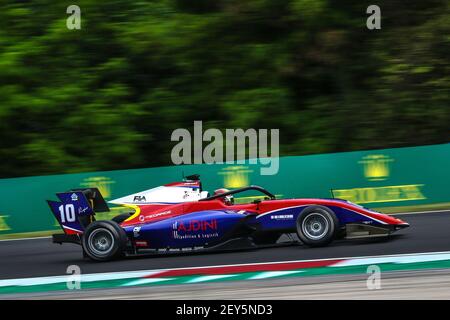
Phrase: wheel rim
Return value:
(101, 241)
(315, 226)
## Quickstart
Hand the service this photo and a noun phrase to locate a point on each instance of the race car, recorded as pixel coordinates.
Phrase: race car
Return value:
(181, 217)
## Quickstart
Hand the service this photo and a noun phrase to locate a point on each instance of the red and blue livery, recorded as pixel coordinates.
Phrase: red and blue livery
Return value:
(181, 217)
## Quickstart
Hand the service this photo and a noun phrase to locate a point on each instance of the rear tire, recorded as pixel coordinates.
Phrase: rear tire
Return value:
(104, 240)
(317, 226)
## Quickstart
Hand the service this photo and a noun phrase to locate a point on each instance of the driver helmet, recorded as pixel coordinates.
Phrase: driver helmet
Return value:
(228, 200)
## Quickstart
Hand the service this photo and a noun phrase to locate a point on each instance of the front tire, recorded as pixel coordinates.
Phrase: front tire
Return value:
(104, 240)
(317, 226)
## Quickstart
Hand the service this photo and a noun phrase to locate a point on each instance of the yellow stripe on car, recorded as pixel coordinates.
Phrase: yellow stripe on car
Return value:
(137, 211)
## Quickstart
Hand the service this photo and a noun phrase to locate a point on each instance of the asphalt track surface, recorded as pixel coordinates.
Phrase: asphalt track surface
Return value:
(428, 232)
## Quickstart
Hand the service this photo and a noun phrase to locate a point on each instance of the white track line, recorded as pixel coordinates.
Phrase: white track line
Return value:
(83, 278)
(271, 274)
(211, 277)
(397, 259)
(143, 273)
(144, 281)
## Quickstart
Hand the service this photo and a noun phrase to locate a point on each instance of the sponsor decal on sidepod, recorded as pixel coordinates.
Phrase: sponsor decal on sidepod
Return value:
(195, 229)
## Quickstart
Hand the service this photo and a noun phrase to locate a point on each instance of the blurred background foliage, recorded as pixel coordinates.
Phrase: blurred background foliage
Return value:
(108, 96)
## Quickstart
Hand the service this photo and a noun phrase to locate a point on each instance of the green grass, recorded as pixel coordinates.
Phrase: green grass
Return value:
(35, 234)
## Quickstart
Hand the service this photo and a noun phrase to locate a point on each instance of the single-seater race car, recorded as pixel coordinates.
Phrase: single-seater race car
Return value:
(181, 217)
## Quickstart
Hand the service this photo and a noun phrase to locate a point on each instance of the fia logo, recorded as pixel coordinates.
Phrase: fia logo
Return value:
(376, 167)
(139, 199)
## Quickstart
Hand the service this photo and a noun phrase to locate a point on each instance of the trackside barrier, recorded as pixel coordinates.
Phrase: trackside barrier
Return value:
(377, 178)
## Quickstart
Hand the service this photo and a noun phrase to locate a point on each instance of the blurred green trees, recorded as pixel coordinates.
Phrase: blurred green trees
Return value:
(109, 95)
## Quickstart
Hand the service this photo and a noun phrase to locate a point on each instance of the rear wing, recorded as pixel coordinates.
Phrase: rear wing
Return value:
(76, 209)
(95, 198)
